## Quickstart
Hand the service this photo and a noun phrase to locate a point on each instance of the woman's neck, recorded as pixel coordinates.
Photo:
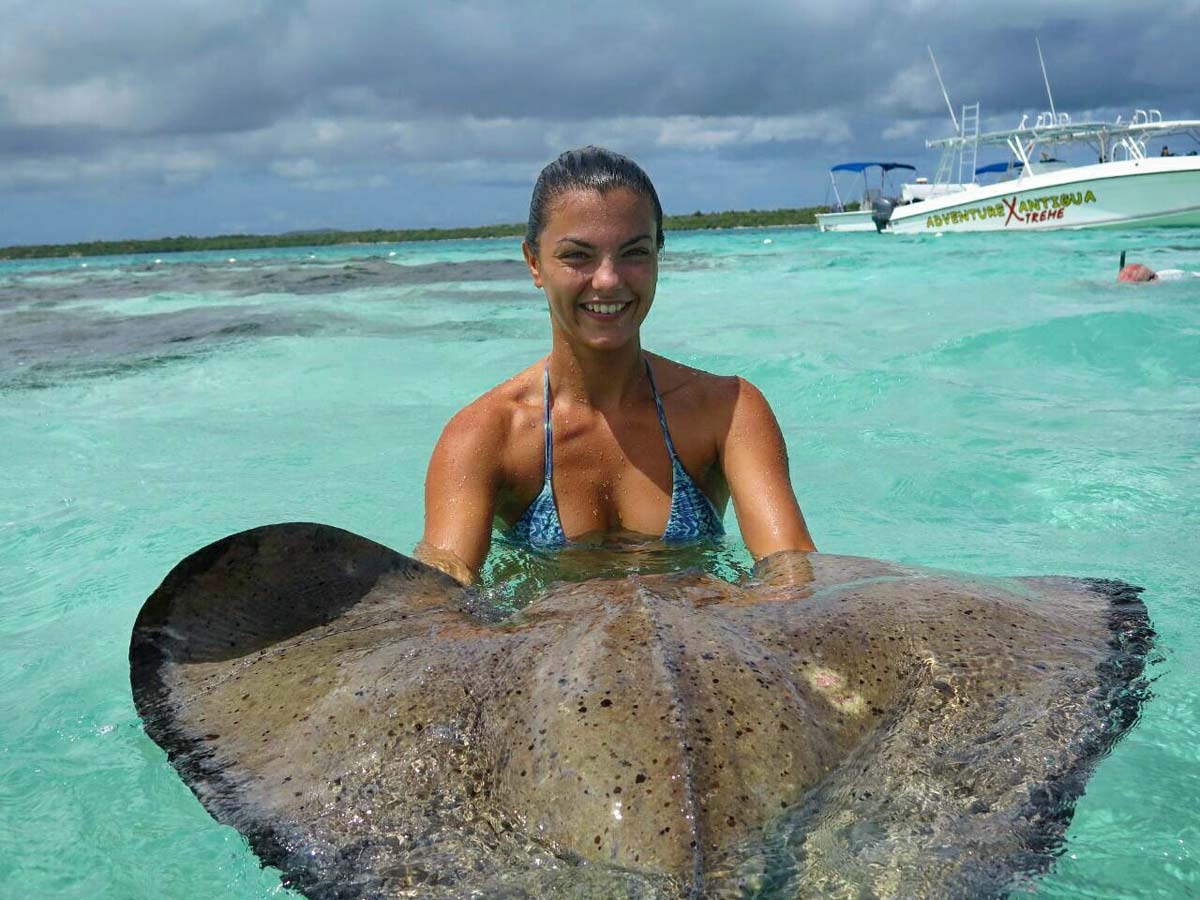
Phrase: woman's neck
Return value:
(601, 379)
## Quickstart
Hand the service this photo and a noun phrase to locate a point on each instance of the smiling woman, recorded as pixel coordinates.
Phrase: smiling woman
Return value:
(577, 445)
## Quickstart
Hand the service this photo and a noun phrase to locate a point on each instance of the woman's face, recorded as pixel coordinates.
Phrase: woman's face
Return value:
(597, 261)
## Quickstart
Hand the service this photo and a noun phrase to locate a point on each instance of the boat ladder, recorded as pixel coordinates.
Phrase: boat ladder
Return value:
(968, 156)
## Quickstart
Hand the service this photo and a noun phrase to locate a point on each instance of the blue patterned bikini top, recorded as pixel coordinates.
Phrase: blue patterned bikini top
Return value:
(692, 515)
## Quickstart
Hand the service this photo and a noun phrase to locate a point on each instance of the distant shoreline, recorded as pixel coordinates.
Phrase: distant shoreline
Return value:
(753, 218)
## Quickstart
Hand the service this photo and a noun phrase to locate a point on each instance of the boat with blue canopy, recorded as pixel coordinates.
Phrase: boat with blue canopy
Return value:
(873, 198)
(1060, 173)
(1119, 183)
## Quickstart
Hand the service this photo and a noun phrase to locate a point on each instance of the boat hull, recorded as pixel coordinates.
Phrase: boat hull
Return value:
(854, 220)
(1156, 191)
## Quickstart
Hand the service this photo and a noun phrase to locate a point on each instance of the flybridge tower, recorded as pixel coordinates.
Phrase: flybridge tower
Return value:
(1038, 187)
(965, 150)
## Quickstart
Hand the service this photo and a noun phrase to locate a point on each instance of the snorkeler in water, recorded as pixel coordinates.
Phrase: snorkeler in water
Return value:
(601, 437)
(1138, 273)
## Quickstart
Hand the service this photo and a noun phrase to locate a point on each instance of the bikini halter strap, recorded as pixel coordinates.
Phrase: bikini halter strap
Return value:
(662, 416)
(548, 457)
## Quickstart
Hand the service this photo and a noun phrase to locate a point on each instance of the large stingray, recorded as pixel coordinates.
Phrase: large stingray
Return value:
(839, 726)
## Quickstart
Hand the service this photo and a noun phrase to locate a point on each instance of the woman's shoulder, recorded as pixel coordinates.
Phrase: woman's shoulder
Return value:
(710, 404)
(495, 415)
(687, 385)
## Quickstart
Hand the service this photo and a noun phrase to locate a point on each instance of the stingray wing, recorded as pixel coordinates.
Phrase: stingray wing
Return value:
(273, 664)
(983, 705)
(842, 726)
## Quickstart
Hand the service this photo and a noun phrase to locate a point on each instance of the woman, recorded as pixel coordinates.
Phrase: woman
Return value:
(578, 444)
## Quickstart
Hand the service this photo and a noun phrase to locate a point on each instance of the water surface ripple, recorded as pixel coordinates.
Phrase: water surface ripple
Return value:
(996, 404)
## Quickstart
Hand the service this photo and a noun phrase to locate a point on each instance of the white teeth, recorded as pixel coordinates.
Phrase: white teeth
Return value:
(604, 308)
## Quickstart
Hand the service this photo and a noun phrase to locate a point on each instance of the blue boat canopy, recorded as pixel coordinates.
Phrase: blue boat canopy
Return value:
(998, 167)
(862, 166)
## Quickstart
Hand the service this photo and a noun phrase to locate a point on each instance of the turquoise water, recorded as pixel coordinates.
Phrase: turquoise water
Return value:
(995, 404)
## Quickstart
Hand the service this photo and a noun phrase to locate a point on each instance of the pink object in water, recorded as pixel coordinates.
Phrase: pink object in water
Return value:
(1136, 272)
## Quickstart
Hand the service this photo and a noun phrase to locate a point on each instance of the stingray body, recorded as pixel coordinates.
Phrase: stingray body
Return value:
(839, 726)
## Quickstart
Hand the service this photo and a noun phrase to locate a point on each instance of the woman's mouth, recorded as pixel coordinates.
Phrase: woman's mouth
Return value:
(606, 309)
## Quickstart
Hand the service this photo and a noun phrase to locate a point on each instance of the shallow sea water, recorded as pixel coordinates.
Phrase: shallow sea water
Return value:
(988, 403)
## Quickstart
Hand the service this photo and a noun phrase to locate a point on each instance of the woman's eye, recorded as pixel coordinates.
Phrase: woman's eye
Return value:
(638, 251)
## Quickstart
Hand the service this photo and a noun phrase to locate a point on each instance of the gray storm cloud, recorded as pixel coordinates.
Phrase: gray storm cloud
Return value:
(323, 94)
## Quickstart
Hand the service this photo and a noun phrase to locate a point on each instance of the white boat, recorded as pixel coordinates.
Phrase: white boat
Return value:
(863, 218)
(1125, 187)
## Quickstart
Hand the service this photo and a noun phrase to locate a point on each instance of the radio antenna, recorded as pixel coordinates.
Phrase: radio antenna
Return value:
(953, 118)
(1046, 78)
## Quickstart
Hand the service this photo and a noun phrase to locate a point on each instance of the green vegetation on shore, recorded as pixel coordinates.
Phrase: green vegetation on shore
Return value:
(753, 218)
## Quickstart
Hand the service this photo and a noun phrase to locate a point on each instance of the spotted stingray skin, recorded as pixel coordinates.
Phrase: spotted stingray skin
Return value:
(837, 726)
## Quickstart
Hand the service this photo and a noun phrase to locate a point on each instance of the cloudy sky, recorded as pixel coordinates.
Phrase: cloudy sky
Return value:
(145, 118)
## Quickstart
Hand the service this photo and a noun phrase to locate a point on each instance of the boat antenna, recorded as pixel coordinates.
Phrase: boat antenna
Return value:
(953, 118)
(1045, 78)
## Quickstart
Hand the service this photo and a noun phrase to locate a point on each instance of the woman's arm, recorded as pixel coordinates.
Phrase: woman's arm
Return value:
(460, 494)
(754, 461)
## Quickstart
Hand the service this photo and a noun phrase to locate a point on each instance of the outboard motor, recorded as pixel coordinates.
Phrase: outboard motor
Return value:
(881, 212)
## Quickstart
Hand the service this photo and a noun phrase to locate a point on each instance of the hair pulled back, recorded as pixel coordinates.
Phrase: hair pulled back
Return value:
(588, 168)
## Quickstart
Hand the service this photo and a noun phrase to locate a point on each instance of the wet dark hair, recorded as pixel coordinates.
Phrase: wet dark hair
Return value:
(590, 168)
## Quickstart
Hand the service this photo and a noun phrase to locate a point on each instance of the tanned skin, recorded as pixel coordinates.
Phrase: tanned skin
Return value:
(597, 262)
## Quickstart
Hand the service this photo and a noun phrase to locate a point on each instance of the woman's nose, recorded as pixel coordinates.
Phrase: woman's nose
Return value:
(607, 276)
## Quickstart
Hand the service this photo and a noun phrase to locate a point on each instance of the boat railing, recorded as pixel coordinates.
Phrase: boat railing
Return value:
(1126, 147)
(1049, 119)
(1146, 117)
